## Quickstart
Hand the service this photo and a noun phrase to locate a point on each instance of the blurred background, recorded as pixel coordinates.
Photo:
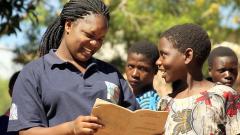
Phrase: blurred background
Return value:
(23, 22)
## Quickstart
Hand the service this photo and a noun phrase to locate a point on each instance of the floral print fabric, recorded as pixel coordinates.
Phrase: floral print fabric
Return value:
(213, 112)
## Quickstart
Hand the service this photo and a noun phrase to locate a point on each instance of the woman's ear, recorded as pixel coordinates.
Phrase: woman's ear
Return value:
(68, 26)
(188, 55)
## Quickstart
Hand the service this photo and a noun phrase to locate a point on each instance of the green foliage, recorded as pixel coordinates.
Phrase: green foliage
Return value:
(12, 12)
(4, 96)
(148, 18)
(132, 20)
(29, 51)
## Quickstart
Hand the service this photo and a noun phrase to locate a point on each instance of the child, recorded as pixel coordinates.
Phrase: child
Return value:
(223, 66)
(4, 118)
(140, 71)
(196, 105)
(55, 93)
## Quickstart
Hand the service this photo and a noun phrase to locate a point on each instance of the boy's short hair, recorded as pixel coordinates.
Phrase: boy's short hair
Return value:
(190, 36)
(145, 48)
(12, 82)
(221, 52)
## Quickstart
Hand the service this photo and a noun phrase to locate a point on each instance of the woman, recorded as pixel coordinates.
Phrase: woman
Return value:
(56, 92)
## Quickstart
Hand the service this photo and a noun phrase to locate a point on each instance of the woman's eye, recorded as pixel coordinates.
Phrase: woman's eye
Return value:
(89, 35)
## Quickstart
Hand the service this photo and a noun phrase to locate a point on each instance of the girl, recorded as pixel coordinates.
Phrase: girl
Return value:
(196, 106)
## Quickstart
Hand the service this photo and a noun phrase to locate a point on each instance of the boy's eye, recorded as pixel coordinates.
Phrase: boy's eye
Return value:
(221, 70)
(144, 69)
(129, 66)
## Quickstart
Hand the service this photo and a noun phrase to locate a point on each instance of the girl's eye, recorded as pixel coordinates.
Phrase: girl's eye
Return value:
(163, 54)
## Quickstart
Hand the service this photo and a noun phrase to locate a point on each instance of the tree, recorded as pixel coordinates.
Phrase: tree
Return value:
(29, 51)
(12, 12)
(132, 20)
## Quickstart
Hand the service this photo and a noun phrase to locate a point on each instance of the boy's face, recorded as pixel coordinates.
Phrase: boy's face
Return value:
(140, 71)
(171, 61)
(224, 70)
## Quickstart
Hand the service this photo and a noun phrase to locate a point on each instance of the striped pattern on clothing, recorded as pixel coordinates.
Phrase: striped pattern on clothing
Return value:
(148, 100)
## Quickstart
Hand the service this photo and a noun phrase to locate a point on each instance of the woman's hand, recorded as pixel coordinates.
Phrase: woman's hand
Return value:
(86, 125)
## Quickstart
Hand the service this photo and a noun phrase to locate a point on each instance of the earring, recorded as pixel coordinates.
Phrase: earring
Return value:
(67, 33)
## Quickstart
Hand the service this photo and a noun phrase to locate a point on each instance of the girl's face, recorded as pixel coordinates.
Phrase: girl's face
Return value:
(84, 37)
(171, 61)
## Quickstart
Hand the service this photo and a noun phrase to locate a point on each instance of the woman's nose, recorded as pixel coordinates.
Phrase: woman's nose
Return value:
(95, 43)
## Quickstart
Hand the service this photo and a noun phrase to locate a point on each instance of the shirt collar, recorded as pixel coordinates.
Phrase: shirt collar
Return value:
(55, 61)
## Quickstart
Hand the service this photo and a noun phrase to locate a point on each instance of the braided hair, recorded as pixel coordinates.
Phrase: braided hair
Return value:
(72, 10)
(190, 36)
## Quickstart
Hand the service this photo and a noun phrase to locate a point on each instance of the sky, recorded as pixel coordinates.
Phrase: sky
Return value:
(7, 67)
(7, 44)
(228, 17)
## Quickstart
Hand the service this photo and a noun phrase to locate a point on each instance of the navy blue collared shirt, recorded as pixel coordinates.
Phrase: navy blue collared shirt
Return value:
(50, 91)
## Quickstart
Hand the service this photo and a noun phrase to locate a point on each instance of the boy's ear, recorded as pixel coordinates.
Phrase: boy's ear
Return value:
(209, 72)
(188, 55)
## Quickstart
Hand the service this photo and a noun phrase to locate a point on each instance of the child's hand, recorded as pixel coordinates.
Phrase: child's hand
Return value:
(86, 125)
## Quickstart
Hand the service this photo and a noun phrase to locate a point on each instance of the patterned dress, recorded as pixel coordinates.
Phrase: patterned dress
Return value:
(148, 100)
(212, 112)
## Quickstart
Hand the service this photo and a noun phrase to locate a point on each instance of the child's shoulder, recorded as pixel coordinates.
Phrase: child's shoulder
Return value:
(164, 103)
(220, 89)
(226, 92)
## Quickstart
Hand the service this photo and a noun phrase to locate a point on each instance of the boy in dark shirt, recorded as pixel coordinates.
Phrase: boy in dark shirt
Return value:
(4, 118)
(223, 66)
(140, 71)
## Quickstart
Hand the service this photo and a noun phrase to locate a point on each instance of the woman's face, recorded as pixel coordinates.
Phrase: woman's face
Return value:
(170, 62)
(84, 37)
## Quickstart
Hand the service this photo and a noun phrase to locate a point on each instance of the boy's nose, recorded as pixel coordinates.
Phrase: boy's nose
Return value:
(135, 73)
(228, 75)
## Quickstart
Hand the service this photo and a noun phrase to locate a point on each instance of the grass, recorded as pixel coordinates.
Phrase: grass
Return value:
(5, 100)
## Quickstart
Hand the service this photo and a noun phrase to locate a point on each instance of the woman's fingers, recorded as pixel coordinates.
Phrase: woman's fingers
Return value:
(86, 125)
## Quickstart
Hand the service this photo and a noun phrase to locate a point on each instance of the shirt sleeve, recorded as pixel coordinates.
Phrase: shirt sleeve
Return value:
(129, 100)
(27, 109)
(232, 112)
